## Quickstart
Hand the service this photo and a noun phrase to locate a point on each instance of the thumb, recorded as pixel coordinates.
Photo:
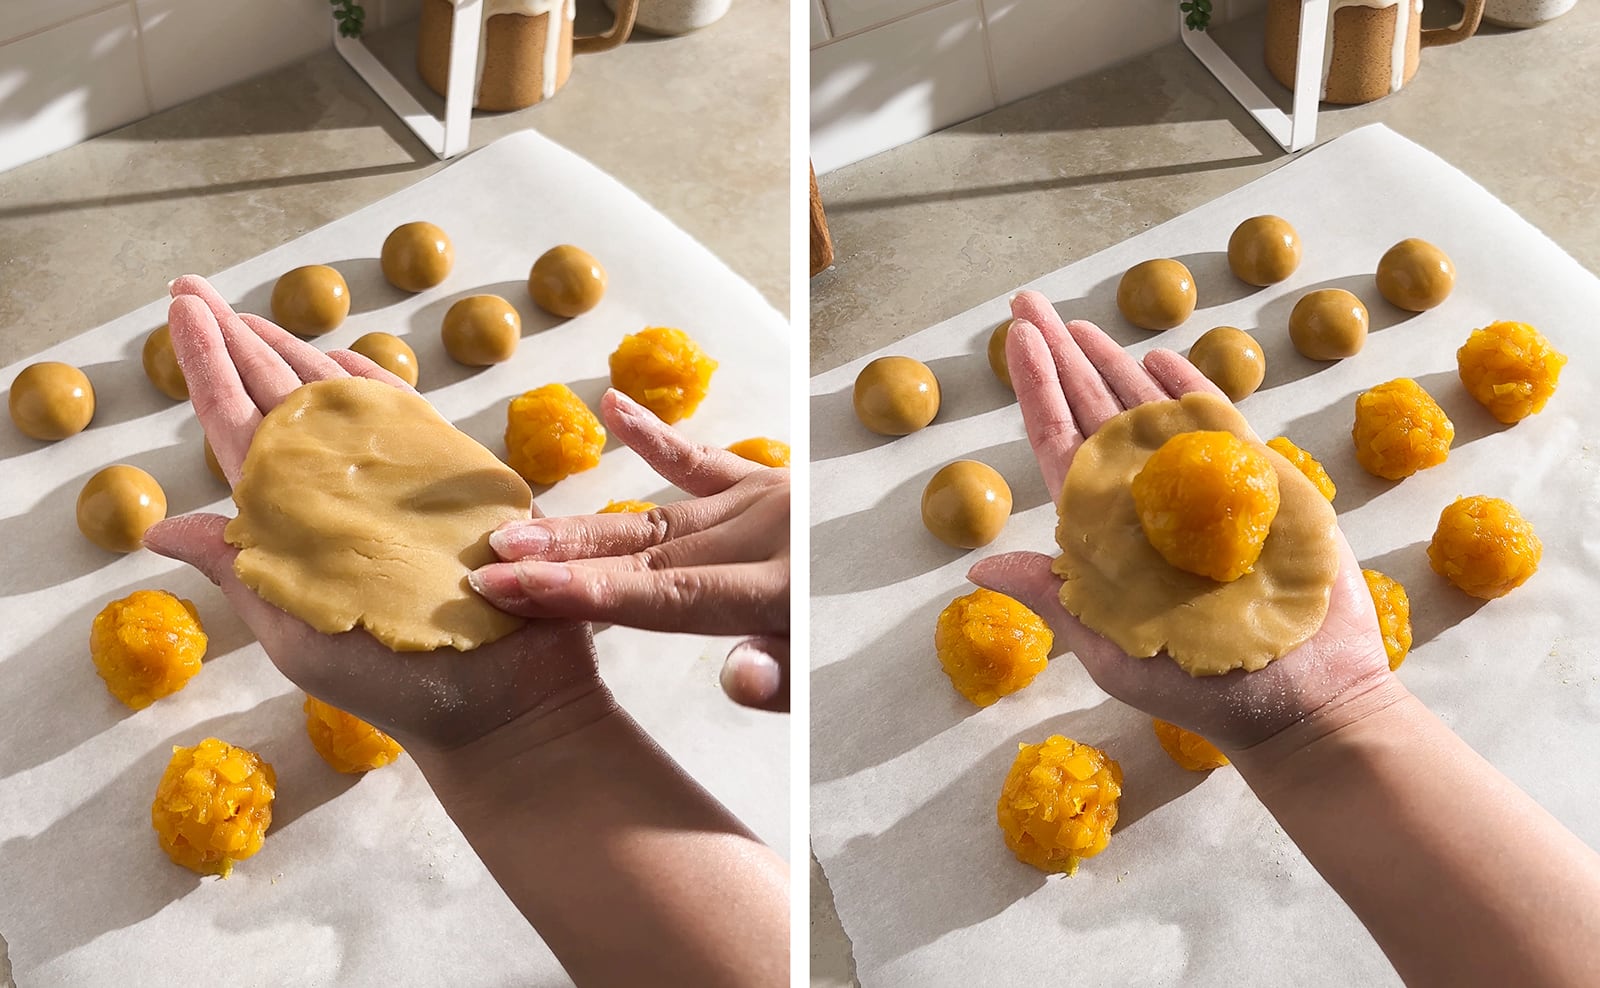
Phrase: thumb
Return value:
(1026, 576)
(757, 674)
(197, 540)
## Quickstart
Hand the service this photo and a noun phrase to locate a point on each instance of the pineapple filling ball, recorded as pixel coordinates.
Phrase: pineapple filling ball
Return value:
(213, 806)
(147, 645)
(1400, 429)
(551, 434)
(1206, 501)
(1059, 803)
(1394, 614)
(346, 742)
(1188, 749)
(991, 645)
(1510, 368)
(664, 370)
(1484, 546)
(626, 507)
(1306, 464)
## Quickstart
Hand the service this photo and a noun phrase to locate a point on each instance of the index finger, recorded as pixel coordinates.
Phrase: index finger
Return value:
(225, 409)
(685, 464)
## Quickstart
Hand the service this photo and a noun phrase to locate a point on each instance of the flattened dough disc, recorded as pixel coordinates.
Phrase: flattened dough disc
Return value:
(1119, 585)
(361, 506)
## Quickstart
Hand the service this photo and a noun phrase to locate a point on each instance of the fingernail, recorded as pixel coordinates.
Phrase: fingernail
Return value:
(520, 539)
(535, 576)
(751, 675)
(626, 405)
(495, 581)
(170, 284)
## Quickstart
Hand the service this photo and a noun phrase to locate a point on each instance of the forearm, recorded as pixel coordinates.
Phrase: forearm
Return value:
(630, 871)
(1460, 877)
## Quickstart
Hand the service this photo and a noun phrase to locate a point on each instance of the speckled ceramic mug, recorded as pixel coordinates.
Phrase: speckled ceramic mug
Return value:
(677, 16)
(1525, 13)
(1373, 46)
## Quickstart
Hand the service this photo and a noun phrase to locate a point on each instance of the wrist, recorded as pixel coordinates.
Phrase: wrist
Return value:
(1301, 750)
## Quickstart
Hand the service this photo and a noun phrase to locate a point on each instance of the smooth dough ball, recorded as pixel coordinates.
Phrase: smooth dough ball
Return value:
(1188, 749)
(664, 370)
(211, 462)
(551, 434)
(896, 396)
(566, 281)
(1158, 294)
(311, 300)
(1306, 464)
(161, 365)
(1415, 275)
(417, 256)
(1206, 501)
(1328, 324)
(51, 400)
(481, 330)
(1484, 546)
(146, 646)
(1058, 803)
(767, 452)
(1264, 250)
(991, 645)
(1510, 368)
(213, 806)
(1400, 429)
(117, 505)
(997, 354)
(1394, 615)
(966, 504)
(391, 353)
(1231, 359)
(345, 741)
(626, 507)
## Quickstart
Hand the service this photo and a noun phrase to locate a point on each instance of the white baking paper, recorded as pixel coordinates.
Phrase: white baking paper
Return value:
(363, 881)
(1198, 886)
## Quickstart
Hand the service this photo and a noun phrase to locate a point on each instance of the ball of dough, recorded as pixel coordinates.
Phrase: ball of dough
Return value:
(1484, 546)
(391, 353)
(1058, 803)
(1188, 749)
(117, 505)
(1264, 250)
(310, 300)
(997, 353)
(213, 806)
(346, 742)
(1206, 501)
(1415, 275)
(1231, 359)
(1329, 324)
(1510, 368)
(990, 645)
(767, 452)
(51, 400)
(1394, 615)
(146, 646)
(161, 365)
(896, 396)
(551, 434)
(966, 504)
(211, 462)
(481, 330)
(664, 370)
(626, 507)
(566, 281)
(1306, 464)
(1158, 294)
(417, 256)
(1400, 429)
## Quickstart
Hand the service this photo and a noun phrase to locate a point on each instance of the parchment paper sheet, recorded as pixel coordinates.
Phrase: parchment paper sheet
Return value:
(362, 881)
(1198, 886)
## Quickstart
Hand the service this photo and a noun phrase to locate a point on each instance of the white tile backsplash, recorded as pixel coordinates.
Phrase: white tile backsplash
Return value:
(21, 17)
(884, 87)
(193, 47)
(1037, 44)
(819, 23)
(849, 16)
(68, 83)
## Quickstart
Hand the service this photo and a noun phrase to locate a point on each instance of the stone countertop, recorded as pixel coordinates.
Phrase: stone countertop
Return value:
(930, 229)
(96, 230)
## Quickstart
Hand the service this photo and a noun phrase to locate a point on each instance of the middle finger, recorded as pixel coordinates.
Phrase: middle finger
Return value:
(267, 378)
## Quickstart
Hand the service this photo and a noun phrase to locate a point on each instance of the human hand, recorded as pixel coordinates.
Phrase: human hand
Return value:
(241, 366)
(1070, 380)
(715, 565)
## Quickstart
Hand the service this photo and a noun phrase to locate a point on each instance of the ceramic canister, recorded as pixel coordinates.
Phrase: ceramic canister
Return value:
(1372, 48)
(1525, 13)
(677, 16)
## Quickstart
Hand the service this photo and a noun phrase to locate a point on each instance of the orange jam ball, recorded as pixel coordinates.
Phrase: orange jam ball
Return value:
(147, 645)
(767, 452)
(213, 806)
(991, 645)
(1306, 464)
(1188, 749)
(1400, 429)
(347, 742)
(1510, 368)
(551, 434)
(625, 507)
(1206, 501)
(663, 370)
(1484, 546)
(1394, 614)
(1059, 803)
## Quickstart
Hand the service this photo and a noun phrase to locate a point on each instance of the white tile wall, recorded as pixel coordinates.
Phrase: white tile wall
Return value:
(1037, 44)
(22, 17)
(819, 23)
(192, 47)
